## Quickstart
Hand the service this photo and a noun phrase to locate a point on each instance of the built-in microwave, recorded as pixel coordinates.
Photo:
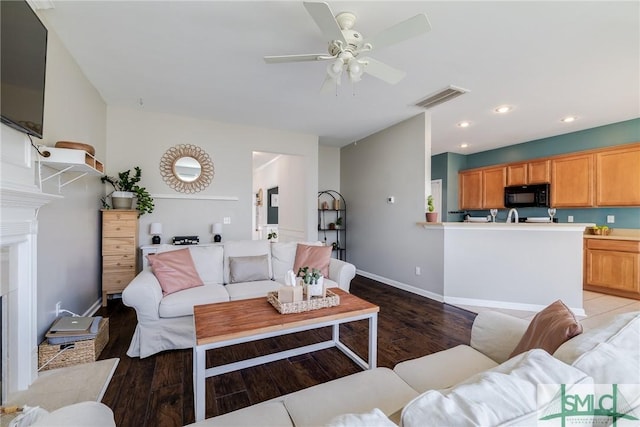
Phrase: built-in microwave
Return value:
(536, 195)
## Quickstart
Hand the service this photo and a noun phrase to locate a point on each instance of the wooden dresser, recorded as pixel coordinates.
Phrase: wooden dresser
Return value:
(119, 248)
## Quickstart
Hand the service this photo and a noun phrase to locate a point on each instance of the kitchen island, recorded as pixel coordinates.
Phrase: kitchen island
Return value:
(524, 266)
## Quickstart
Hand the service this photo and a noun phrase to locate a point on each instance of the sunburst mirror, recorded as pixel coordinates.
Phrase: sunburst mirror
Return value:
(186, 168)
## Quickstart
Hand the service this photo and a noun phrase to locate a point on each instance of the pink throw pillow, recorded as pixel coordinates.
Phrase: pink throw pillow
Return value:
(313, 257)
(175, 271)
(549, 329)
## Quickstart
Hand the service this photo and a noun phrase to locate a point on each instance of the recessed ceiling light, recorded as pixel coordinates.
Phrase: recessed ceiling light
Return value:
(464, 124)
(464, 145)
(569, 119)
(503, 109)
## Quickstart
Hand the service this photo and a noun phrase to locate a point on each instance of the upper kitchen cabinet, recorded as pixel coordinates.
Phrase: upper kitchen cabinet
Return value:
(618, 177)
(572, 180)
(493, 183)
(482, 188)
(534, 172)
(470, 190)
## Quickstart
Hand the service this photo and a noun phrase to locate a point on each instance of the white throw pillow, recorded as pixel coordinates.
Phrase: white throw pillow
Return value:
(504, 394)
(242, 248)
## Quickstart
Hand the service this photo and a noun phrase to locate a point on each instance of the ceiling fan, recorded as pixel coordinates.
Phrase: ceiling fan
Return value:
(346, 46)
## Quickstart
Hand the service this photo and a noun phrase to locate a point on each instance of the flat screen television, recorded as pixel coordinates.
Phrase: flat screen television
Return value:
(23, 57)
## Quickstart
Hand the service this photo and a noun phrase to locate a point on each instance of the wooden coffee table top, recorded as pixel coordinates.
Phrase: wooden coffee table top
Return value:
(236, 319)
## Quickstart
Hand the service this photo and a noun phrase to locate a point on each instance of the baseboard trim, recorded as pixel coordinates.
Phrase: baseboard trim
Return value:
(457, 301)
(400, 285)
(93, 309)
(503, 305)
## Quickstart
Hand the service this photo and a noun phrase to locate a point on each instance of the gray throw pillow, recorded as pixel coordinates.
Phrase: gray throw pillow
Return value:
(248, 268)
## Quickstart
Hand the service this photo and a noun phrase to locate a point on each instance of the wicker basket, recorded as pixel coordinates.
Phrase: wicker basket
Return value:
(314, 303)
(82, 352)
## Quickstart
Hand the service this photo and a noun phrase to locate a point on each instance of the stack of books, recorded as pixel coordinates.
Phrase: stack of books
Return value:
(73, 328)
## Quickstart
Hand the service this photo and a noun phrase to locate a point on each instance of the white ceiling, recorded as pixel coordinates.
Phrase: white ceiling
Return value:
(204, 59)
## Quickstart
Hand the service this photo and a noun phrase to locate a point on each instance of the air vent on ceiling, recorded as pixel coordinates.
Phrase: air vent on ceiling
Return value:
(441, 96)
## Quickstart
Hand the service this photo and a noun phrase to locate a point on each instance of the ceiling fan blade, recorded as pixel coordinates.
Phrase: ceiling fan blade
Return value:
(381, 70)
(322, 15)
(297, 58)
(329, 84)
(402, 31)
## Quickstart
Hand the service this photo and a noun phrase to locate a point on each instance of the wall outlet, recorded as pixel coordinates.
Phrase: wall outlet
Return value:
(58, 308)
(227, 220)
(418, 271)
(611, 219)
(570, 218)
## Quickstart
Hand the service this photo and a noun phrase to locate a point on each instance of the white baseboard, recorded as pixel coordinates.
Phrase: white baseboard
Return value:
(93, 309)
(462, 301)
(403, 286)
(504, 305)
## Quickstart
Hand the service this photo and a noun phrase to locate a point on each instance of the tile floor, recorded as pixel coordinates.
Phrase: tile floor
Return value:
(597, 306)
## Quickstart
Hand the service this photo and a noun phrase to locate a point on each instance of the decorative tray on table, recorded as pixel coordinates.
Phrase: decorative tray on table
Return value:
(313, 303)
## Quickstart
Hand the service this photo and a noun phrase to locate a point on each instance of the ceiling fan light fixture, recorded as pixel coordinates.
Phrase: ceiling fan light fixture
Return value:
(335, 68)
(355, 70)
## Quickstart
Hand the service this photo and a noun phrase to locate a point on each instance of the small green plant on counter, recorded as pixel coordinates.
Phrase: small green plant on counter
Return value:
(430, 206)
(309, 277)
(126, 182)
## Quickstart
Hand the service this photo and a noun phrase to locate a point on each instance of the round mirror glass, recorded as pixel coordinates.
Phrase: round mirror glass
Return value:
(187, 169)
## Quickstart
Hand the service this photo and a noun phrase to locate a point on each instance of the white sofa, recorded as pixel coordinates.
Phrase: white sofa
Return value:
(166, 322)
(462, 386)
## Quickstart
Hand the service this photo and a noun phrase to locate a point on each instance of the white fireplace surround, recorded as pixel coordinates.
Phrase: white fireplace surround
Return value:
(20, 200)
(18, 235)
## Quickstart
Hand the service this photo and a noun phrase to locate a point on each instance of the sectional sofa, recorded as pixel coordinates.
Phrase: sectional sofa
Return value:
(230, 271)
(475, 385)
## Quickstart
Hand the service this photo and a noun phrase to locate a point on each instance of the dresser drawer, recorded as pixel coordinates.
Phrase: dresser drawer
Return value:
(119, 246)
(119, 262)
(116, 282)
(120, 228)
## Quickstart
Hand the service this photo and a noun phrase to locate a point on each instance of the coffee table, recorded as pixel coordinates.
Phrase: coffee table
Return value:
(228, 323)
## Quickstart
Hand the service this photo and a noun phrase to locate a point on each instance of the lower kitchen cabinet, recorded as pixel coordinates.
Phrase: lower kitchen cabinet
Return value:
(612, 266)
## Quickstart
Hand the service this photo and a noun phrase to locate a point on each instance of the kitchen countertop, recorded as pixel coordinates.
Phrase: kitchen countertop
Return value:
(617, 234)
(504, 226)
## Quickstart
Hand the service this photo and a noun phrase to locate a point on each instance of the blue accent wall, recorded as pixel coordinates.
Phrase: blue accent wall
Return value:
(447, 166)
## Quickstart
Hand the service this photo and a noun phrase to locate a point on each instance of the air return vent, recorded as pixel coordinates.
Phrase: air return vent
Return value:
(441, 96)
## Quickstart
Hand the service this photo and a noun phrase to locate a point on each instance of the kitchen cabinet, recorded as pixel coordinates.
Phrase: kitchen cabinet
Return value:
(119, 246)
(534, 172)
(572, 181)
(470, 190)
(482, 188)
(612, 266)
(493, 183)
(618, 177)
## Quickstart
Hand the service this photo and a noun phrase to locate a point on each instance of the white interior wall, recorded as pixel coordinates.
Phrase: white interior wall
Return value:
(328, 168)
(383, 240)
(69, 229)
(140, 138)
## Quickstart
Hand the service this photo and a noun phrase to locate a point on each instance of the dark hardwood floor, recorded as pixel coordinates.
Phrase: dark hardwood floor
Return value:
(158, 390)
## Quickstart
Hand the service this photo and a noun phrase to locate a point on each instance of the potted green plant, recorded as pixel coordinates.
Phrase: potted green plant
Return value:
(125, 188)
(339, 222)
(272, 236)
(430, 214)
(313, 280)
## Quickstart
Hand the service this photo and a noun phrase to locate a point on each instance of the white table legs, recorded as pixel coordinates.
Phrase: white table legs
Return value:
(200, 371)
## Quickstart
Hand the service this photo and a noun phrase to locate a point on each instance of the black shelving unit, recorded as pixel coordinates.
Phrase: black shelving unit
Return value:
(332, 222)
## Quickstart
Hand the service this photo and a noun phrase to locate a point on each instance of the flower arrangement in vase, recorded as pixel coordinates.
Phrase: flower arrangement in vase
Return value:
(313, 281)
